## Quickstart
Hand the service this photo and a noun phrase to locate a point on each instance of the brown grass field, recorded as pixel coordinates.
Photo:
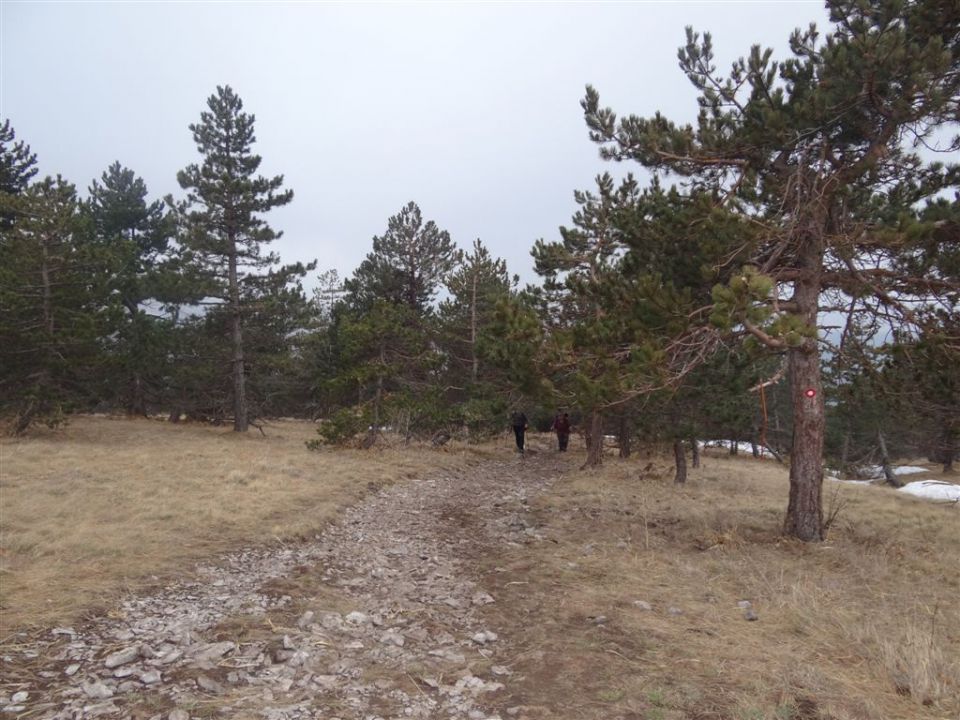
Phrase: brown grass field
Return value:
(108, 505)
(865, 625)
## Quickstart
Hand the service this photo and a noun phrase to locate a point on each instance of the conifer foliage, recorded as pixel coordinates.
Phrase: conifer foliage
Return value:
(222, 221)
(821, 152)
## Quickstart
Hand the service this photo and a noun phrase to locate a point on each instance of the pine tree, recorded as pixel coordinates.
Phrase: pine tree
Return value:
(475, 387)
(222, 222)
(138, 234)
(17, 164)
(384, 331)
(583, 279)
(17, 167)
(55, 304)
(407, 266)
(819, 153)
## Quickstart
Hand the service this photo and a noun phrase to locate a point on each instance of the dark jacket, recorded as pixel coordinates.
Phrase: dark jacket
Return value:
(518, 420)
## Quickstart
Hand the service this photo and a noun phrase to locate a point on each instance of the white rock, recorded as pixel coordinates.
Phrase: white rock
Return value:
(147, 652)
(327, 682)
(170, 657)
(357, 618)
(178, 714)
(642, 604)
(484, 636)
(392, 637)
(299, 658)
(19, 697)
(744, 604)
(71, 669)
(97, 691)
(122, 657)
(209, 684)
(501, 670)
(150, 677)
(64, 631)
(305, 619)
(482, 598)
(214, 651)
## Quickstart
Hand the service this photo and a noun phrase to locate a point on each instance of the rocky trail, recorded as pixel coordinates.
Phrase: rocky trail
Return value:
(381, 616)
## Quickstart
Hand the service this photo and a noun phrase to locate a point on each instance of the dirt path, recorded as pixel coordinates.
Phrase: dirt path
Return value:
(380, 616)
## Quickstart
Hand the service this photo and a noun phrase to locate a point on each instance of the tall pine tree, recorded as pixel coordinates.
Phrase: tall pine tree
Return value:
(222, 222)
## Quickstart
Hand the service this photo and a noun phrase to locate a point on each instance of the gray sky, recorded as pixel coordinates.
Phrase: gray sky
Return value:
(470, 110)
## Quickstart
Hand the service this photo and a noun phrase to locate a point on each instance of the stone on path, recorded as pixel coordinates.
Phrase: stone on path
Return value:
(122, 657)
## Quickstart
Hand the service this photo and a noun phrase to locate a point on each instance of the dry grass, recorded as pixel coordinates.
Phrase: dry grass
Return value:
(108, 505)
(866, 625)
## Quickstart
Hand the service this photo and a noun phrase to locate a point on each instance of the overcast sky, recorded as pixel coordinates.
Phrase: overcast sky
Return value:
(470, 110)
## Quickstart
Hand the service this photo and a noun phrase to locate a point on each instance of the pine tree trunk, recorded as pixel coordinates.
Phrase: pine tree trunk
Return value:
(623, 440)
(734, 445)
(948, 446)
(47, 292)
(754, 448)
(240, 419)
(695, 452)
(378, 398)
(804, 519)
(888, 473)
(595, 440)
(138, 403)
(680, 460)
(474, 370)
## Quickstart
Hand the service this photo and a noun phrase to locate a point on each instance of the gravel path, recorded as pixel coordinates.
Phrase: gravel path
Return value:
(391, 625)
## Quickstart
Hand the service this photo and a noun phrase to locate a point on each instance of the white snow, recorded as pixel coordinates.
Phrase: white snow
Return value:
(742, 447)
(876, 471)
(932, 490)
(849, 482)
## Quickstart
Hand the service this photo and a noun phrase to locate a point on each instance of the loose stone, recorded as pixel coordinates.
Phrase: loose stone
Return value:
(122, 657)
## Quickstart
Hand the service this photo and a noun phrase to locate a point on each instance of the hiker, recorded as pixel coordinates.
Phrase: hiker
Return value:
(519, 422)
(561, 425)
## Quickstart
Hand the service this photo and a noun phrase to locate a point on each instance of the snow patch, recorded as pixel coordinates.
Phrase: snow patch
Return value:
(932, 490)
(876, 471)
(742, 447)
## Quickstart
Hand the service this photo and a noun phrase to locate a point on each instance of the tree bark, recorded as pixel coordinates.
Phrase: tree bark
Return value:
(695, 452)
(804, 519)
(948, 446)
(735, 445)
(378, 398)
(240, 418)
(138, 403)
(594, 440)
(680, 460)
(623, 440)
(475, 366)
(888, 473)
